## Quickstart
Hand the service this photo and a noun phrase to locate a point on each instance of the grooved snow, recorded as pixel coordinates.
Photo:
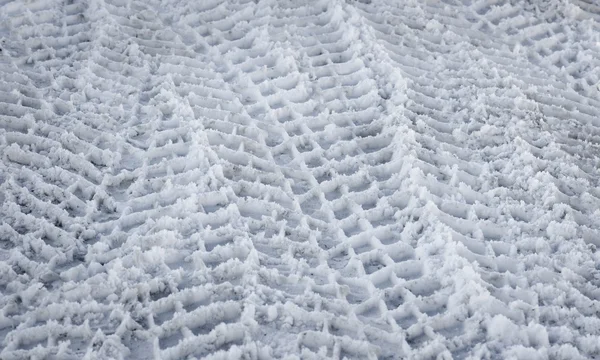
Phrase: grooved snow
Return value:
(366, 179)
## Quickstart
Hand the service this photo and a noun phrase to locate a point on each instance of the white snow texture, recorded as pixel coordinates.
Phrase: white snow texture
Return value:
(327, 179)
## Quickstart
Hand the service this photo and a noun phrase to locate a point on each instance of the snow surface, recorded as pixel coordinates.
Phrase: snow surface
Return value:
(291, 179)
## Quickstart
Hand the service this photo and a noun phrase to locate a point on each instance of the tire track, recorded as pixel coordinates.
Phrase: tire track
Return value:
(347, 179)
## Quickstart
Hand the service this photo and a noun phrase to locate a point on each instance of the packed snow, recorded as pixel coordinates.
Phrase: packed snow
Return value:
(257, 179)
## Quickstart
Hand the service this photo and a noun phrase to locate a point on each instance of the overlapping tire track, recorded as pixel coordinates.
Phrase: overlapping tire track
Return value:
(335, 179)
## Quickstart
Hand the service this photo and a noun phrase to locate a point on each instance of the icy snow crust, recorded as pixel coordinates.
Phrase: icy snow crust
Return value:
(272, 179)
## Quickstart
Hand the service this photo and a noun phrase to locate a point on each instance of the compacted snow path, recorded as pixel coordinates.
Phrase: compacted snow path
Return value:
(326, 179)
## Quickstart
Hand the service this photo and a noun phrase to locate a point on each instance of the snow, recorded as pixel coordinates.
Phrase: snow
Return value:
(355, 179)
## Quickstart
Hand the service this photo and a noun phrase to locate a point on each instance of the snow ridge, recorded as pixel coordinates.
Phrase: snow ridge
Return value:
(287, 179)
